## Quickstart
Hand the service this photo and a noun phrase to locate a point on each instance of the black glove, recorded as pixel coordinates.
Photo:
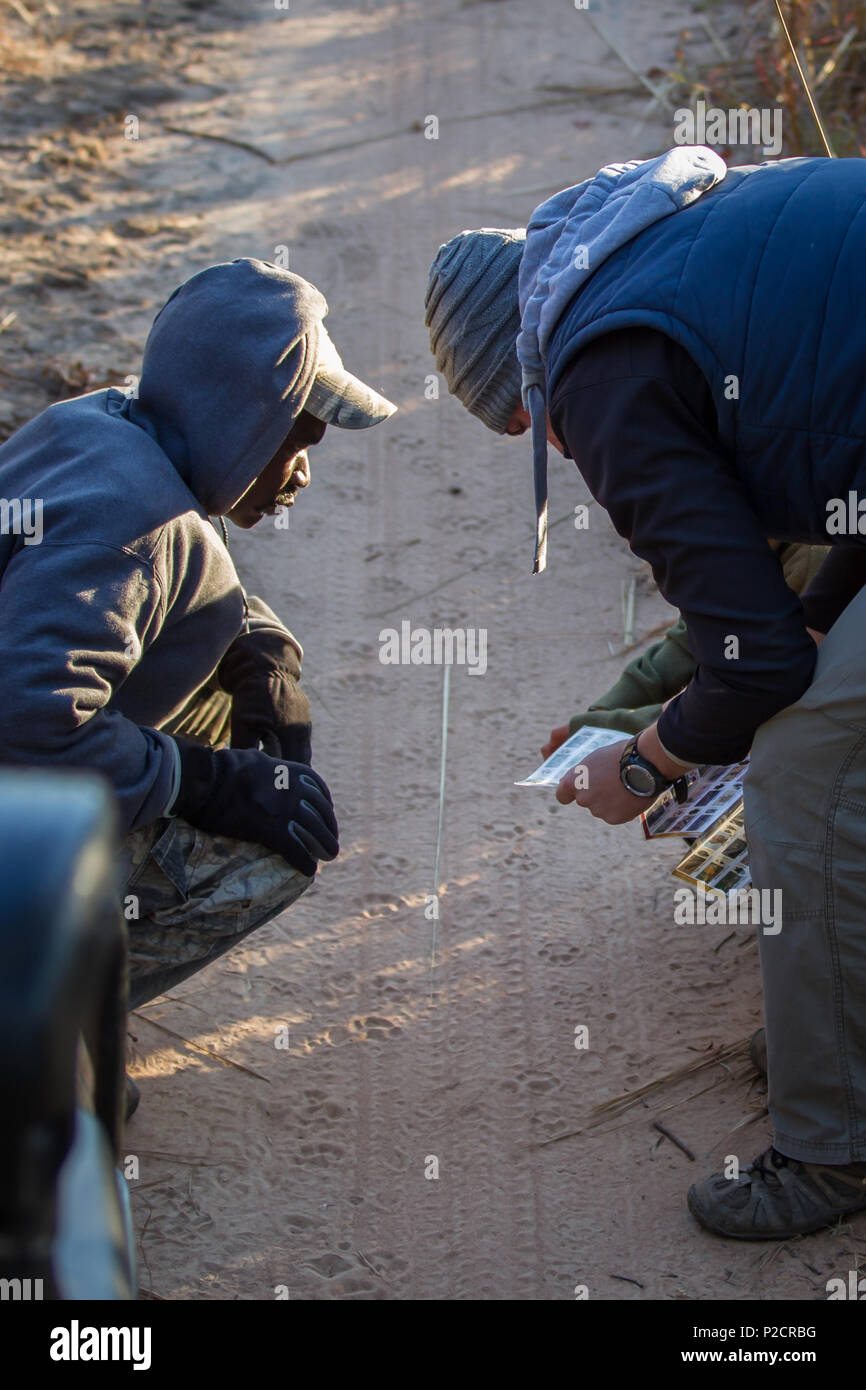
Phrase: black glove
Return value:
(248, 795)
(260, 671)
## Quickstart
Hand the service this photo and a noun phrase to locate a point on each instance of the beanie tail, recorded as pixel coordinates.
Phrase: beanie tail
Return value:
(538, 418)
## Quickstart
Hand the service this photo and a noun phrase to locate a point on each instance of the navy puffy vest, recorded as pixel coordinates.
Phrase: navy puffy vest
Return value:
(763, 279)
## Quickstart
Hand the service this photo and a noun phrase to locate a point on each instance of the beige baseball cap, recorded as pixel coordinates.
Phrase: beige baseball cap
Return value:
(338, 398)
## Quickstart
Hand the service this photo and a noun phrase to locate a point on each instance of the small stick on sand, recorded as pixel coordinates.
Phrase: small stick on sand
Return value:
(200, 1047)
(222, 140)
(684, 1148)
(363, 1258)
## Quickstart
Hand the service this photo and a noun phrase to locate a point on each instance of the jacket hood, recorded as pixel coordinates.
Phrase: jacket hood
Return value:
(228, 364)
(567, 239)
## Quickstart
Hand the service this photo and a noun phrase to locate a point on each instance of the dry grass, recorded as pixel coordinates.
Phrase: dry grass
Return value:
(711, 1056)
(754, 68)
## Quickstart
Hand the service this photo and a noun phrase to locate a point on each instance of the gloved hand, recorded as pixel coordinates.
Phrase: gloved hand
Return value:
(248, 795)
(260, 671)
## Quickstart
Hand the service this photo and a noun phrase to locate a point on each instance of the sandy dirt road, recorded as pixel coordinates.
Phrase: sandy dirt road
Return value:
(413, 1045)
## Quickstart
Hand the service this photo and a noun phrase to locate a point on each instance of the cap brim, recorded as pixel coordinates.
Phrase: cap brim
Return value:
(338, 398)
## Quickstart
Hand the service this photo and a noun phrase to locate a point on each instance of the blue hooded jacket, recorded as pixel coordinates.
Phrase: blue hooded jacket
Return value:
(128, 601)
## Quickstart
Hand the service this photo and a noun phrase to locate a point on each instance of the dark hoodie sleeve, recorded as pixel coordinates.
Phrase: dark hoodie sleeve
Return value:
(262, 618)
(74, 620)
(635, 413)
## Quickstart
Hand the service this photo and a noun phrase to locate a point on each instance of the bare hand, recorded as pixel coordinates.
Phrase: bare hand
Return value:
(595, 783)
(556, 740)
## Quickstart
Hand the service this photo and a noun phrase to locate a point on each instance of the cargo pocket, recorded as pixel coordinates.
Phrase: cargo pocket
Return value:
(171, 853)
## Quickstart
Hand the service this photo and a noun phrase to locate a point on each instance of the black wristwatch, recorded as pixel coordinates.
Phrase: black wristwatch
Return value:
(641, 778)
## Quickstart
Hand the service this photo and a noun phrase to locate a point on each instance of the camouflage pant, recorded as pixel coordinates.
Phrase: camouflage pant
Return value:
(190, 896)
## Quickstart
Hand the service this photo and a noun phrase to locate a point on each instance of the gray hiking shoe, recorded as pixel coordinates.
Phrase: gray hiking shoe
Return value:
(758, 1052)
(776, 1197)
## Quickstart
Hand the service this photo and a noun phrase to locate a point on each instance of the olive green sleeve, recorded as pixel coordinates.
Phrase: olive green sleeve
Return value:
(635, 700)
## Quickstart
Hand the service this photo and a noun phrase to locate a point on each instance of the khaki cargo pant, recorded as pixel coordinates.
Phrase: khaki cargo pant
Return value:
(805, 805)
(189, 896)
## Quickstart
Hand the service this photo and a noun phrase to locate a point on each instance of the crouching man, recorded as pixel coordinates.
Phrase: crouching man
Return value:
(127, 644)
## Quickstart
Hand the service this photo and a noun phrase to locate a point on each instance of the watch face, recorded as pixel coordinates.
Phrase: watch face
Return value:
(639, 780)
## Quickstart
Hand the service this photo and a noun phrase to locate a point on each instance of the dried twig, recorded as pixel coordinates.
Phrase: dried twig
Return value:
(661, 94)
(768, 1259)
(794, 1256)
(373, 1270)
(22, 12)
(830, 66)
(584, 92)
(200, 1047)
(656, 631)
(186, 1159)
(461, 574)
(684, 1148)
(718, 44)
(618, 1105)
(750, 1119)
(222, 140)
(364, 141)
(174, 999)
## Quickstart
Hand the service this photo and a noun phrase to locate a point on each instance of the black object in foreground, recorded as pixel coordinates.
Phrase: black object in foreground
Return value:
(65, 1227)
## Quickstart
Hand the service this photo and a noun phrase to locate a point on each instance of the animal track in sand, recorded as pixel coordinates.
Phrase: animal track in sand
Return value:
(358, 1029)
(320, 1155)
(297, 1221)
(320, 1107)
(329, 1265)
(373, 1025)
(558, 954)
(537, 1083)
(375, 904)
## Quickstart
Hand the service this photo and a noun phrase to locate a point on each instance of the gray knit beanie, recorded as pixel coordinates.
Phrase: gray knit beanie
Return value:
(473, 316)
